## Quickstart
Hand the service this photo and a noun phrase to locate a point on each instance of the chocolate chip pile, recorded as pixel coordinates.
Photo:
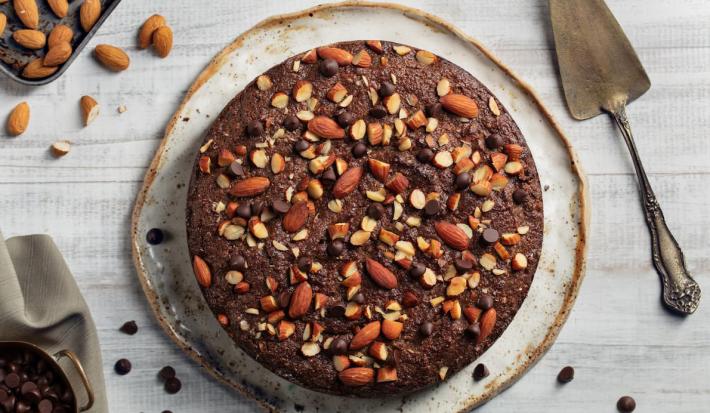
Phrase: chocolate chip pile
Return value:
(365, 218)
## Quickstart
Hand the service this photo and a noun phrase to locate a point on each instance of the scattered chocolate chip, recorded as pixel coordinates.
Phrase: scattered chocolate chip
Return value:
(473, 331)
(490, 236)
(166, 372)
(565, 375)
(129, 327)
(485, 301)
(386, 89)
(432, 208)
(433, 110)
(494, 141)
(417, 270)
(173, 385)
(519, 196)
(375, 211)
(329, 175)
(480, 372)
(284, 299)
(255, 128)
(359, 150)
(280, 206)
(304, 263)
(291, 123)
(335, 248)
(425, 155)
(426, 329)
(339, 346)
(462, 181)
(626, 404)
(328, 67)
(154, 236)
(378, 112)
(122, 367)
(244, 211)
(236, 169)
(301, 145)
(238, 263)
(463, 265)
(346, 119)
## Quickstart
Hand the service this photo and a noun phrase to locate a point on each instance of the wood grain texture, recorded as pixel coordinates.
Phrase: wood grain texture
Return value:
(618, 337)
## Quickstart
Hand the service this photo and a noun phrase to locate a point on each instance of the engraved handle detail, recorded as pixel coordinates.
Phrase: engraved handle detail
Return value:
(680, 292)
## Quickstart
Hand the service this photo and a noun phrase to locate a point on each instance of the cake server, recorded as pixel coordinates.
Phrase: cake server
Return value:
(601, 74)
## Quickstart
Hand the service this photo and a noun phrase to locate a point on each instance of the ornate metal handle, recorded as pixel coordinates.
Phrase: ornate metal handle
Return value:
(680, 292)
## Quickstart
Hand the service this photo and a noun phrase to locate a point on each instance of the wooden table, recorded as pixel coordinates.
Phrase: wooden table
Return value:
(618, 337)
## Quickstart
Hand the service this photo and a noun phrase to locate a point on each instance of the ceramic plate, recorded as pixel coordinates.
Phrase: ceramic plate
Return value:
(165, 271)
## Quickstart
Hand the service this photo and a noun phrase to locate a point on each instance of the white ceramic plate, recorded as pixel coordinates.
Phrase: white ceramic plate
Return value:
(165, 270)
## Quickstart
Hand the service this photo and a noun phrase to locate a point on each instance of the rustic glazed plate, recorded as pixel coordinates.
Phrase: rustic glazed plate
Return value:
(165, 271)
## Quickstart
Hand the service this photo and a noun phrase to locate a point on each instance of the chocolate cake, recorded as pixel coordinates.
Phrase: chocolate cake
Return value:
(364, 219)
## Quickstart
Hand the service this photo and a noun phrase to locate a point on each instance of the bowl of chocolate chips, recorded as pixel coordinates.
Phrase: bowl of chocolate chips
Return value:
(31, 380)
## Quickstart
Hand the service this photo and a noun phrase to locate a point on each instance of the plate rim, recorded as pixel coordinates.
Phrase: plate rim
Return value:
(216, 63)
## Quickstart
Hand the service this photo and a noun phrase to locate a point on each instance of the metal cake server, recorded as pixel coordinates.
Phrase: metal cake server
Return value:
(601, 73)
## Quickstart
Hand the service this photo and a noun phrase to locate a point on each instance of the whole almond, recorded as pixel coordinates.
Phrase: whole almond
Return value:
(19, 119)
(163, 41)
(30, 39)
(89, 13)
(343, 57)
(300, 300)
(60, 34)
(357, 376)
(58, 54)
(380, 274)
(296, 217)
(348, 182)
(326, 127)
(365, 336)
(250, 186)
(202, 272)
(3, 22)
(37, 70)
(460, 105)
(89, 109)
(27, 12)
(452, 235)
(145, 35)
(112, 57)
(59, 7)
(487, 321)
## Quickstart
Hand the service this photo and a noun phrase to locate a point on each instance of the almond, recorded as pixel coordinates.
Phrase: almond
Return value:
(343, 57)
(417, 120)
(59, 7)
(30, 39)
(510, 238)
(278, 163)
(391, 329)
(378, 350)
(365, 336)
(89, 13)
(326, 127)
(250, 186)
(374, 133)
(498, 160)
(205, 164)
(398, 184)
(337, 93)
(58, 54)
(19, 119)
(318, 165)
(302, 90)
(452, 235)
(163, 41)
(488, 322)
(202, 272)
(285, 330)
(37, 70)
(348, 182)
(3, 22)
(60, 148)
(300, 300)
(460, 105)
(89, 109)
(357, 376)
(112, 57)
(426, 57)
(59, 34)
(145, 34)
(379, 169)
(375, 45)
(392, 103)
(386, 374)
(443, 160)
(310, 56)
(27, 12)
(362, 59)
(520, 262)
(380, 274)
(296, 217)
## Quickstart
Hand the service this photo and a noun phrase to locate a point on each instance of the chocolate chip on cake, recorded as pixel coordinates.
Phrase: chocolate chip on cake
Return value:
(255, 128)
(291, 123)
(328, 67)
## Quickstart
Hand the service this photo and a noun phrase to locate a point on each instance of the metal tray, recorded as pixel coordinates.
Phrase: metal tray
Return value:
(14, 57)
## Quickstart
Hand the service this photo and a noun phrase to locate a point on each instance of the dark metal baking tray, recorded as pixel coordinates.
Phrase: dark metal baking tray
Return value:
(14, 57)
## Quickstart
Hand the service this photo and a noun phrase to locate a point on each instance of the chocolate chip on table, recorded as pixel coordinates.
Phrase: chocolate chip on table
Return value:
(244, 211)
(490, 236)
(329, 175)
(335, 248)
(473, 331)
(291, 123)
(173, 385)
(122, 367)
(301, 145)
(359, 150)
(626, 404)
(328, 67)
(166, 372)
(462, 181)
(304, 263)
(565, 375)
(425, 155)
(386, 89)
(480, 372)
(433, 110)
(426, 329)
(346, 119)
(236, 169)
(129, 327)
(238, 263)
(485, 301)
(494, 141)
(280, 206)
(375, 211)
(154, 236)
(255, 128)
(519, 196)
(463, 265)
(378, 112)
(417, 270)
(432, 208)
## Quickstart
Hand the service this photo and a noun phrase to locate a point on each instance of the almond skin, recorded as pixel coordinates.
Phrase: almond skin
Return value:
(60, 34)
(488, 321)
(89, 13)
(30, 39)
(300, 300)
(343, 57)
(145, 34)
(250, 186)
(348, 182)
(326, 127)
(365, 336)
(163, 41)
(58, 54)
(89, 109)
(3, 22)
(59, 7)
(357, 376)
(202, 272)
(112, 57)
(37, 70)
(296, 217)
(380, 274)
(460, 105)
(452, 235)
(19, 119)
(27, 12)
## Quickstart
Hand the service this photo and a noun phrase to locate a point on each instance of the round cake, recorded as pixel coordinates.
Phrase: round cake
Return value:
(364, 219)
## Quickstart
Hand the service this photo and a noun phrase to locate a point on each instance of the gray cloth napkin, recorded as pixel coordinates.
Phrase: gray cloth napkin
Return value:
(40, 303)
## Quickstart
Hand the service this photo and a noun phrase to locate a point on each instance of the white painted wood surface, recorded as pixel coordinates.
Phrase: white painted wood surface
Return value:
(618, 337)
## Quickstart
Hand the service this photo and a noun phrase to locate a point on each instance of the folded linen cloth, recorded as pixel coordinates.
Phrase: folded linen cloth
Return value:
(40, 303)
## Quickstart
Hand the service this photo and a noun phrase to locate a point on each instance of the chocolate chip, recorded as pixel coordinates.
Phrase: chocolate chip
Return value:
(154, 236)
(301, 145)
(339, 346)
(484, 302)
(425, 155)
(494, 141)
(386, 89)
(238, 263)
(490, 236)
(166, 372)
(359, 150)
(328, 67)
(244, 211)
(12, 380)
(255, 128)
(375, 211)
(304, 263)
(463, 265)
(480, 372)
(45, 406)
(432, 208)
(626, 404)
(129, 327)
(122, 367)
(426, 329)
(280, 206)
(236, 169)
(257, 208)
(329, 175)
(346, 119)
(462, 181)
(359, 298)
(336, 311)
(291, 123)
(335, 248)
(473, 331)
(378, 112)
(519, 196)
(565, 375)
(30, 392)
(23, 407)
(4, 395)
(417, 270)
(173, 385)
(284, 299)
